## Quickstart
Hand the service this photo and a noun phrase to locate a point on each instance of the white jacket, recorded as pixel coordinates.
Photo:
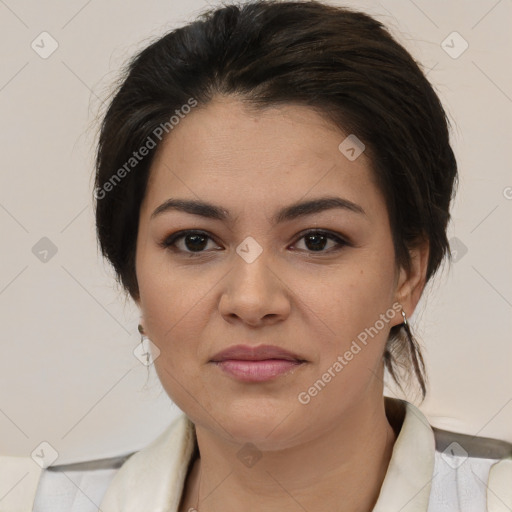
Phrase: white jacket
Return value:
(429, 471)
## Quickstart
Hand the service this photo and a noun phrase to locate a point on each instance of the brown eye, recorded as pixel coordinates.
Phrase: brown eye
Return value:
(316, 241)
(192, 241)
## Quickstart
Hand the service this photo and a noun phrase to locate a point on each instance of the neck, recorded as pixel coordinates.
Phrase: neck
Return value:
(344, 465)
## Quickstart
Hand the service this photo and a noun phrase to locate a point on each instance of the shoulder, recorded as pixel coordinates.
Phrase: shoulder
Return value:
(81, 487)
(474, 472)
(445, 470)
(156, 473)
(171, 449)
(75, 487)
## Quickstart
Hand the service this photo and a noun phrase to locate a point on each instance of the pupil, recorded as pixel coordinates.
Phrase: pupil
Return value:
(315, 245)
(198, 242)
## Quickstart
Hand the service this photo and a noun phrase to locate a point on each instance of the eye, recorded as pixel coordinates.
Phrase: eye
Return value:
(316, 240)
(193, 241)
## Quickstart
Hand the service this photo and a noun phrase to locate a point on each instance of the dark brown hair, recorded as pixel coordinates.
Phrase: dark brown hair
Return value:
(342, 63)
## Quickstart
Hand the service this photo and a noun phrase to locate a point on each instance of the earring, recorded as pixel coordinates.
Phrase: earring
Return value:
(149, 351)
(415, 354)
(141, 331)
(405, 325)
(405, 319)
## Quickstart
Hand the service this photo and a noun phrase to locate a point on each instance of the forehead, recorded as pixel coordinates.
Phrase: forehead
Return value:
(273, 155)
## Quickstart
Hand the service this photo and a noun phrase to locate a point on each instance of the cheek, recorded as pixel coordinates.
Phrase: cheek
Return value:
(176, 307)
(347, 306)
(169, 292)
(176, 324)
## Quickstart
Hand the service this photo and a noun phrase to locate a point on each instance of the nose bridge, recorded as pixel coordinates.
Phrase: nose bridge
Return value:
(253, 290)
(253, 266)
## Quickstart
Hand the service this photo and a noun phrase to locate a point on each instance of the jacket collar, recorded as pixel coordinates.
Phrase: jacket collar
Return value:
(153, 478)
(406, 486)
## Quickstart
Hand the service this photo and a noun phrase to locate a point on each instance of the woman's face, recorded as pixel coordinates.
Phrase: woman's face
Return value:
(256, 277)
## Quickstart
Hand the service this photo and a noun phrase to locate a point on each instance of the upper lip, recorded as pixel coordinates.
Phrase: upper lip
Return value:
(259, 353)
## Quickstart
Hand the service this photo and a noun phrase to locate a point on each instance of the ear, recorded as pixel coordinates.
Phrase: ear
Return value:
(410, 285)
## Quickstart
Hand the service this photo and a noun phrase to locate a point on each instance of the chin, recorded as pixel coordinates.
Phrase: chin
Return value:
(265, 425)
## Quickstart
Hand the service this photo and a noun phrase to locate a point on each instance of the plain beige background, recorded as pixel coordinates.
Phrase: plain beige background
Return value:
(68, 375)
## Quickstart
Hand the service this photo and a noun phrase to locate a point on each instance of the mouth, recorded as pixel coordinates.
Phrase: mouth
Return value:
(257, 364)
(258, 370)
(259, 353)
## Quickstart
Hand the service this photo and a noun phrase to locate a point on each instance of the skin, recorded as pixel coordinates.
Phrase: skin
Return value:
(313, 303)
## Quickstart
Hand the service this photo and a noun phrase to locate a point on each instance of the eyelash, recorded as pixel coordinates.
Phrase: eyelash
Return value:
(170, 241)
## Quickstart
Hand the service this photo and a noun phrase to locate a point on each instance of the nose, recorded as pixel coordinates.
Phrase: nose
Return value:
(254, 293)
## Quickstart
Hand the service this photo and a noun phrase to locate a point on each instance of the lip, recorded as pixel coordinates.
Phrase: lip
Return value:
(259, 353)
(257, 371)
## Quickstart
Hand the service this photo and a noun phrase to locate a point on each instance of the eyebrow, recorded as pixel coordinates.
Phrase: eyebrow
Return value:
(293, 211)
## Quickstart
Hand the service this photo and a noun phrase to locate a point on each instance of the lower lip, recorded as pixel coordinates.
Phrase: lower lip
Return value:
(257, 371)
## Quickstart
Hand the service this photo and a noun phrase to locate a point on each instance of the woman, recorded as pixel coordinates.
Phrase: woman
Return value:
(273, 189)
